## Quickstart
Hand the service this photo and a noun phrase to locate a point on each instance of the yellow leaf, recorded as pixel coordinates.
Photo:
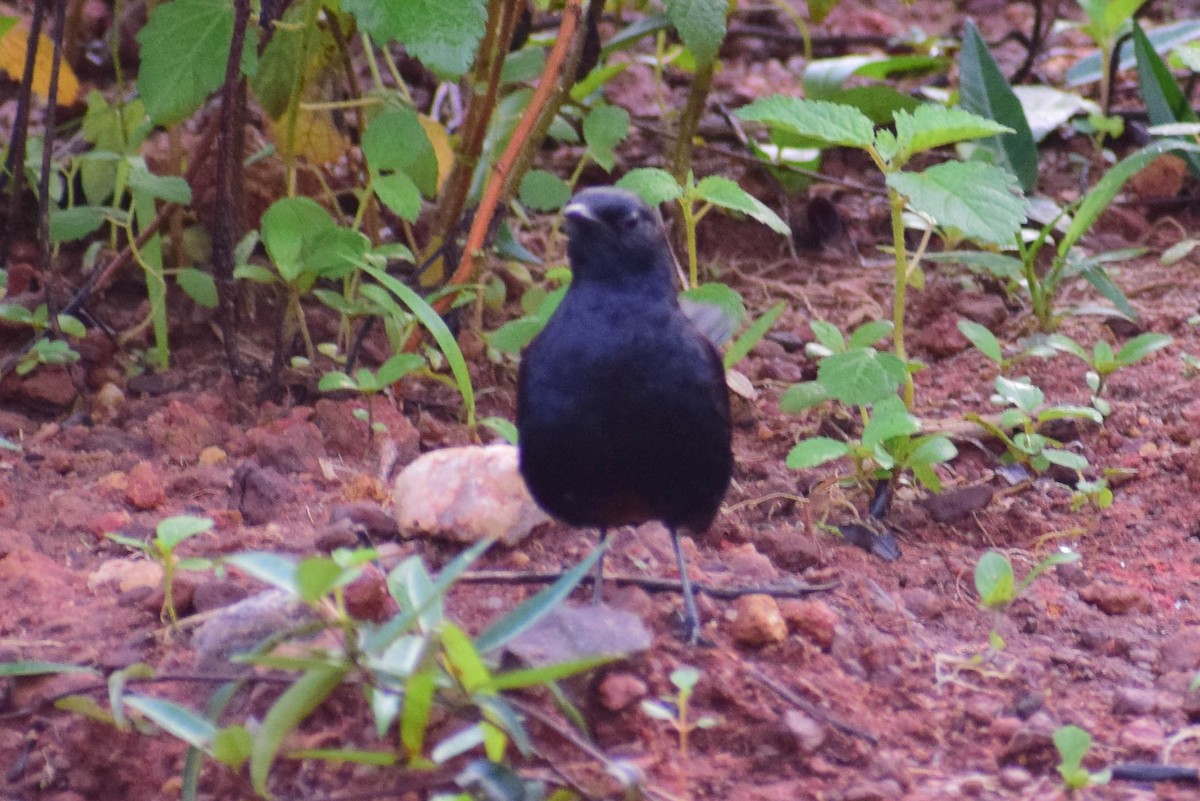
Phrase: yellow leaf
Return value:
(318, 137)
(12, 61)
(443, 150)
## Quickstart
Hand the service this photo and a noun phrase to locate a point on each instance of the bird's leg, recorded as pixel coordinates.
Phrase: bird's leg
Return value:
(598, 576)
(691, 620)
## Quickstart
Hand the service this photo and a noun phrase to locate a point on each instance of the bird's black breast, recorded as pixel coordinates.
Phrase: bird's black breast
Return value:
(623, 413)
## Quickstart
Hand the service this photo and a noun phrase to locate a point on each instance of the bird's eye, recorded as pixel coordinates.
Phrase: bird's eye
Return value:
(630, 221)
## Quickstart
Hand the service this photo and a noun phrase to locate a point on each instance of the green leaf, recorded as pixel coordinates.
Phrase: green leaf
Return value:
(171, 188)
(727, 194)
(336, 382)
(994, 580)
(934, 449)
(983, 339)
(316, 576)
(174, 530)
(974, 199)
(1140, 347)
(870, 333)
(1020, 393)
(1046, 108)
(184, 47)
(464, 659)
(815, 451)
(977, 261)
(889, 418)
(396, 141)
(828, 335)
(436, 326)
(399, 193)
(831, 124)
(824, 77)
(1067, 459)
(932, 126)
(199, 286)
(1090, 68)
(861, 376)
(604, 128)
(652, 185)
(1072, 743)
(799, 397)
(542, 190)
(503, 427)
(292, 707)
(443, 34)
(540, 676)
(397, 367)
(289, 228)
(176, 720)
(271, 568)
(36, 667)
(753, 335)
(986, 92)
(1101, 195)
(701, 25)
(532, 610)
(1165, 102)
(67, 225)
(232, 746)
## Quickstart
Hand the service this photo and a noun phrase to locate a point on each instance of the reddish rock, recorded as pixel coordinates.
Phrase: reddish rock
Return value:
(367, 597)
(941, 338)
(144, 487)
(758, 621)
(620, 690)
(289, 445)
(109, 523)
(1115, 599)
(182, 430)
(812, 618)
(347, 435)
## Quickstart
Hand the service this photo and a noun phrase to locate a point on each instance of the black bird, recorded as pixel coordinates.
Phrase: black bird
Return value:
(622, 410)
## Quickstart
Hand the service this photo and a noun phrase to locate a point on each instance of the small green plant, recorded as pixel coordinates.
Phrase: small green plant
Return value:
(1107, 21)
(43, 351)
(676, 711)
(370, 383)
(852, 372)
(1028, 413)
(997, 586)
(1072, 744)
(168, 535)
(1103, 362)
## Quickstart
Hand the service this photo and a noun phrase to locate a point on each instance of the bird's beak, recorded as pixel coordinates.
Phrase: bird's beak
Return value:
(579, 211)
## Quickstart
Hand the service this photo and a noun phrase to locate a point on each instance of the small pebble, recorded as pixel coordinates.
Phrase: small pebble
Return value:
(809, 733)
(811, 618)
(619, 690)
(1014, 777)
(1133, 701)
(758, 621)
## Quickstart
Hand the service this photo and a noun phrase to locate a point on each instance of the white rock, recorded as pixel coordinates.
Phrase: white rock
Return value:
(466, 494)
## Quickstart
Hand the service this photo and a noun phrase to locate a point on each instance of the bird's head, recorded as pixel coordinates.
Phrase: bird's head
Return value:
(612, 233)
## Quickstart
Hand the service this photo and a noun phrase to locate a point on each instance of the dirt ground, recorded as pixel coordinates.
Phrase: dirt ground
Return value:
(874, 692)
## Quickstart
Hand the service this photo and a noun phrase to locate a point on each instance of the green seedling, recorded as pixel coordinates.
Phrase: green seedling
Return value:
(43, 351)
(964, 200)
(169, 534)
(1103, 362)
(370, 383)
(997, 587)
(676, 712)
(852, 372)
(1107, 21)
(1072, 744)
(1019, 426)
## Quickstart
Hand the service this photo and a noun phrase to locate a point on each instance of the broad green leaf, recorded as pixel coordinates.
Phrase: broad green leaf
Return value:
(281, 61)
(1020, 393)
(815, 451)
(986, 92)
(878, 101)
(171, 188)
(67, 225)
(174, 530)
(336, 382)
(1065, 344)
(727, 194)
(1165, 102)
(861, 376)
(652, 185)
(604, 128)
(828, 335)
(701, 25)
(289, 227)
(934, 449)
(828, 123)
(399, 193)
(542, 190)
(974, 199)
(889, 418)
(799, 397)
(932, 126)
(396, 141)
(870, 333)
(288, 711)
(316, 576)
(184, 47)
(398, 366)
(271, 568)
(419, 693)
(1067, 459)
(994, 580)
(1072, 743)
(715, 309)
(199, 286)
(443, 34)
(232, 746)
(983, 339)
(1140, 347)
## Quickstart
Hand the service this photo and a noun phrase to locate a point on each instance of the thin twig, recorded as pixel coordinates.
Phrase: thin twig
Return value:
(796, 589)
(809, 708)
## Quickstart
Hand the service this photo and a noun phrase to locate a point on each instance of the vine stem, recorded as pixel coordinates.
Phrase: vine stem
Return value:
(900, 291)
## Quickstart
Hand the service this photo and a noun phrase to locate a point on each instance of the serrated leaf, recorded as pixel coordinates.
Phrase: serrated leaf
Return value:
(701, 25)
(889, 418)
(815, 451)
(932, 126)
(604, 128)
(542, 190)
(184, 47)
(727, 194)
(443, 34)
(986, 92)
(824, 122)
(974, 199)
(861, 376)
(652, 185)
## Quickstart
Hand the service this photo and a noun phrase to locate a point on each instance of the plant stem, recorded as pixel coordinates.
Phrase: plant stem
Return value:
(689, 229)
(900, 290)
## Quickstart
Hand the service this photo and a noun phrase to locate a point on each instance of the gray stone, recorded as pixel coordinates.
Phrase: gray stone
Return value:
(241, 627)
